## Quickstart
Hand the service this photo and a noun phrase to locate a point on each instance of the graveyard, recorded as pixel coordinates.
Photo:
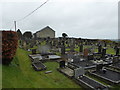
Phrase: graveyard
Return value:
(64, 63)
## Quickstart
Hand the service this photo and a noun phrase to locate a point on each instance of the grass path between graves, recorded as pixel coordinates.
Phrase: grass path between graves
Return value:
(20, 74)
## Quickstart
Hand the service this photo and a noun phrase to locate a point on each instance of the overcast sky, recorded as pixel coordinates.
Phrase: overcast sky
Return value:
(77, 18)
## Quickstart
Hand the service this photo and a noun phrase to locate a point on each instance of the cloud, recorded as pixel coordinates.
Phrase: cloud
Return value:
(77, 19)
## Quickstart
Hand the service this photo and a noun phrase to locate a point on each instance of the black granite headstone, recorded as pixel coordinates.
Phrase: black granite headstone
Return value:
(33, 51)
(81, 48)
(117, 51)
(99, 67)
(99, 48)
(103, 52)
(90, 57)
(62, 64)
(105, 44)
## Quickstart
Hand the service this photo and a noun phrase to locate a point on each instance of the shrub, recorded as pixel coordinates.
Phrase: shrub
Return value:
(9, 46)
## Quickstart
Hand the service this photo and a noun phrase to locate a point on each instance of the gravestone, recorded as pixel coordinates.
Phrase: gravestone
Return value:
(85, 52)
(103, 52)
(33, 51)
(76, 59)
(81, 48)
(24, 45)
(99, 48)
(72, 48)
(115, 59)
(62, 64)
(44, 49)
(59, 44)
(72, 45)
(105, 44)
(62, 48)
(90, 57)
(99, 67)
(70, 55)
(117, 51)
(79, 72)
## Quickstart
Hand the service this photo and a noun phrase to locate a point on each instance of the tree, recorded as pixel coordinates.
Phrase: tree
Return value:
(64, 35)
(27, 35)
(19, 34)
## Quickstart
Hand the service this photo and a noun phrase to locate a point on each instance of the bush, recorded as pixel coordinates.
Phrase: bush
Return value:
(9, 46)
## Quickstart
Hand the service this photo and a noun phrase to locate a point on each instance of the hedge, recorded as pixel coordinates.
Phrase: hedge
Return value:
(9, 46)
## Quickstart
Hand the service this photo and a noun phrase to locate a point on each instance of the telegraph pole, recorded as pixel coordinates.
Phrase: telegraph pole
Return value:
(15, 25)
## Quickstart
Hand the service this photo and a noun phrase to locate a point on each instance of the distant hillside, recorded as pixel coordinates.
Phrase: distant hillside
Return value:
(117, 40)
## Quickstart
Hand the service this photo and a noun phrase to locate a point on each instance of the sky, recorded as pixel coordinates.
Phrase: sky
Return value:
(95, 19)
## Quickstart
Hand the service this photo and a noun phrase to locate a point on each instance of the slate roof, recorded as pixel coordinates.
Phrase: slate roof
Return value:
(45, 28)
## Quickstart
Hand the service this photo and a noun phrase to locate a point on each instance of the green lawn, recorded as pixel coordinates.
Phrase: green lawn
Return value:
(20, 74)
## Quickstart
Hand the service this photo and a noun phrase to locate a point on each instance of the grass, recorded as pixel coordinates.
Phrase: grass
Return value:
(110, 51)
(20, 74)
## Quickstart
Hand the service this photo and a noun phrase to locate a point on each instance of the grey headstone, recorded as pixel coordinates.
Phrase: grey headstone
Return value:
(78, 72)
(44, 49)
(103, 52)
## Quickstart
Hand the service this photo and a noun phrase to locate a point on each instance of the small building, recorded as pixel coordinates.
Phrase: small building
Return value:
(45, 33)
